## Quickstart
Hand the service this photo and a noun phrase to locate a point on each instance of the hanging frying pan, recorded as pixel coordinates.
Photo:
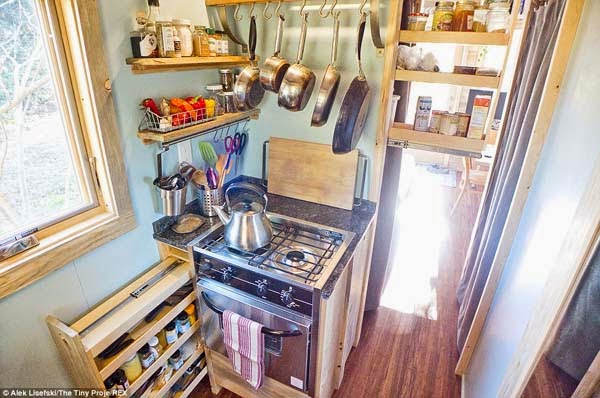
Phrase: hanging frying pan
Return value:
(353, 113)
(299, 81)
(275, 67)
(248, 92)
(330, 82)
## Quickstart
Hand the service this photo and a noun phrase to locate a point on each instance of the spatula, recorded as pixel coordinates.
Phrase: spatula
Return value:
(208, 153)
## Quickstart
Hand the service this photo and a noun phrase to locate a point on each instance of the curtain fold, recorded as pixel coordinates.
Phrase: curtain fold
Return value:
(530, 78)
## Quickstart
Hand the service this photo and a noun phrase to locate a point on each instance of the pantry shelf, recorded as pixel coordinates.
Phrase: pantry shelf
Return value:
(153, 65)
(466, 38)
(177, 375)
(403, 135)
(448, 78)
(190, 388)
(149, 137)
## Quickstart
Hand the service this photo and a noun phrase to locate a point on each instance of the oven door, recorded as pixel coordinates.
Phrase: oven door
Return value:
(287, 334)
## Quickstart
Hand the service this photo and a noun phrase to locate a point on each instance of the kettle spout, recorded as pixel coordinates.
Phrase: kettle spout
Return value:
(223, 216)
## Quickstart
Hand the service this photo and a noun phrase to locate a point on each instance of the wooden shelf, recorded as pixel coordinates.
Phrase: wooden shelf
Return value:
(448, 78)
(150, 137)
(190, 388)
(153, 65)
(137, 383)
(144, 332)
(401, 133)
(177, 375)
(466, 38)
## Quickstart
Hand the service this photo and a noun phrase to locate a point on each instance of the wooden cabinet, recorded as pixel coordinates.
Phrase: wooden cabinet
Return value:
(81, 342)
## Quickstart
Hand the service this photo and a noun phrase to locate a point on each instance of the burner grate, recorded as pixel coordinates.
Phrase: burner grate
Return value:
(293, 251)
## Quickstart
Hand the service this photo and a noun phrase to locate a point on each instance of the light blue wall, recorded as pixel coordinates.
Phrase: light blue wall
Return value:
(28, 357)
(570, 151)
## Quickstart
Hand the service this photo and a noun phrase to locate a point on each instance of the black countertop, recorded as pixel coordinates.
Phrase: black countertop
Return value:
(356, 220)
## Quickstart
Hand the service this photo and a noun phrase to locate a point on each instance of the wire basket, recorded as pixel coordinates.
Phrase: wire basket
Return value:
(164, 124)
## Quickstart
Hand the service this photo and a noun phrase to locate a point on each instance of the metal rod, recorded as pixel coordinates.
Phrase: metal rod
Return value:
(431, 148)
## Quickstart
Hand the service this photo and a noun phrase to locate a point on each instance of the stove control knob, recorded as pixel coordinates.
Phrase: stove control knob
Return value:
(261, 287)
(227, 274)
(286, 297)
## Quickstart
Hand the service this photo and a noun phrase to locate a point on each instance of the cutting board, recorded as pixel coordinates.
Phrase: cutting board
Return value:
(308, 171)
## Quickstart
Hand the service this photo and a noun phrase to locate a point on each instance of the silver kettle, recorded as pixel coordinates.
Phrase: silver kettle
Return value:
(246, 225)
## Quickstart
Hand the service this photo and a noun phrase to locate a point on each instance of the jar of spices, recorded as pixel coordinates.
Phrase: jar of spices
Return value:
(183, 322)
(200, 39)
(184, 32)
(463, 16)
(176, 360)
(226, 79)
(213, 106)
(417, 21)
(191, 311)
(498, 17)
(155, 347)
(119, 378)
(212, 42)
(146, 356)
(443, 16)
(176, 44)
(164, 34)
(479, 17)
(170, 333)
(132, 367)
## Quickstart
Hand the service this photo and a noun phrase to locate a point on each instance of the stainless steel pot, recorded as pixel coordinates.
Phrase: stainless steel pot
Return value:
(247, 227)
(275, 67)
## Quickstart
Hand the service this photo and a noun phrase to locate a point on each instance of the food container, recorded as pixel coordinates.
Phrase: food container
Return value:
(227, 102)
(465, 70)
(165, 33)
(498, 18)
(449, 124)
(479, 18)
(481, 107)
(463, 124)
(417, 21)
(173, 201)
(443, 16)
(214, 107)
(184, 32)
(209, 198)
(423, 113)
(436, 119)
(463, 16)
(226, 79)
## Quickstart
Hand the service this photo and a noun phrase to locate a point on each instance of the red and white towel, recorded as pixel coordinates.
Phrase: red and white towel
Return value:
(245, 347)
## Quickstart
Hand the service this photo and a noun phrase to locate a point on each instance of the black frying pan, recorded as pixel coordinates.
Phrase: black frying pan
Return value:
(353, 113)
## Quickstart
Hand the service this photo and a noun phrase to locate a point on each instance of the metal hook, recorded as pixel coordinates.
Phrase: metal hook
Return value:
(361, 11)
(236, 13)
(265, 14)
(280, 15)
(251, 13)
(302, 13)
(335, 14)
(321, 13)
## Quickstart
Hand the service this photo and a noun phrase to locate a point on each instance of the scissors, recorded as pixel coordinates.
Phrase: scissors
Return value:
(241, 139)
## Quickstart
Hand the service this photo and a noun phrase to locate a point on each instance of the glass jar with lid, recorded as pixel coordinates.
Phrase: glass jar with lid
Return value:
(417, 21)
(479, 18)
(498, 18)
(165, 36)
(463, 16)
(132, 367)
(227, 101)
(184, 31)
(443, 16)
(200, 39)
(213, 106)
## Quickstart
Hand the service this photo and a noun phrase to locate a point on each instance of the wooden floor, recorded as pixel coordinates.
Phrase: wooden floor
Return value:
(411, 355)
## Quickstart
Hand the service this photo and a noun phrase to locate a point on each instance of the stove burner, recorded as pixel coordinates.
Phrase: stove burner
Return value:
(295, 256)
(296, 260)
(241, 253)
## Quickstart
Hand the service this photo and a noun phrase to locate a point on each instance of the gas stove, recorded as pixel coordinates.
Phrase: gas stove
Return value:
(288, 271)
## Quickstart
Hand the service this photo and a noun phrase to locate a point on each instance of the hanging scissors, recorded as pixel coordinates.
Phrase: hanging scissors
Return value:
(241, 139)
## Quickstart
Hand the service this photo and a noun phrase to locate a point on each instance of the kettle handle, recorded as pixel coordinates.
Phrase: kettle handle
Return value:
(248, 186)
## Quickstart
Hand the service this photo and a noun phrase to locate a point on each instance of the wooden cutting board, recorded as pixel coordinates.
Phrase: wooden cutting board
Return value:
(308, 171)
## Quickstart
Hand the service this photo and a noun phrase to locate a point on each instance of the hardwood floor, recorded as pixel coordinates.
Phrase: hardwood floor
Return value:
(409, 350)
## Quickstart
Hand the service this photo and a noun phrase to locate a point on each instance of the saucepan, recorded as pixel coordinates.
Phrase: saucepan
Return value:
(248, 92)
(275, 67)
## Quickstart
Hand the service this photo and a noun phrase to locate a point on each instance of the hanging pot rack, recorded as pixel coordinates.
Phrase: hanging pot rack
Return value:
(267, 14)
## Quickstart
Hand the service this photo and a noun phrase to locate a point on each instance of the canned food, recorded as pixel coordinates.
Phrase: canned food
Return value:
(463, 124)
(423, 113)
(436, 119)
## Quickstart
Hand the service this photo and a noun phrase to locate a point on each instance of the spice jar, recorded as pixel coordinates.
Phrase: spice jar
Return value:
(212, 42)
(498, 17)
(146, 356)
(191, 311)
(417, 21)
(176, 44)
(479, 17)
(463, 16)
(226, 79)
(183, 322)
(200, 39)
(170, 333)
(443, 16)
(155, 347)
(164, 34)
(176, 360)
(184, 32)
(120, 381)
(132, 367)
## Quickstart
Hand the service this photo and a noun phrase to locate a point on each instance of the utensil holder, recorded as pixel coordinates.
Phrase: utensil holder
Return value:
(173, 201)
(209, 198)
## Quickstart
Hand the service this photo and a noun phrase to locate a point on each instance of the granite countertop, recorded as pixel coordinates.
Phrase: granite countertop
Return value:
(356, 220)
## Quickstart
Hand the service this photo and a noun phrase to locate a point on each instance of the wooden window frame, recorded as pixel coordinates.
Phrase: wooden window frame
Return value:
(113, 215)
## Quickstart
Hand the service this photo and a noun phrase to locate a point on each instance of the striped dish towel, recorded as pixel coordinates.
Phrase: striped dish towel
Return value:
(245, 347)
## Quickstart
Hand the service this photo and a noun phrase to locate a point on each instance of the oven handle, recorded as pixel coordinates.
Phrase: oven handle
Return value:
(265, 330)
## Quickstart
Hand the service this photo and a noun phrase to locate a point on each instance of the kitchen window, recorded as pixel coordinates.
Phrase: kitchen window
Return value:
(59, 152)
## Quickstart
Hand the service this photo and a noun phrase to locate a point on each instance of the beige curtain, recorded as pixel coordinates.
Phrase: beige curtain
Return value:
(530, 78)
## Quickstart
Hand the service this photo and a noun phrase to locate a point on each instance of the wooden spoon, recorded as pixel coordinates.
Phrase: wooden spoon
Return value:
(220, 167)
(199, 179)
